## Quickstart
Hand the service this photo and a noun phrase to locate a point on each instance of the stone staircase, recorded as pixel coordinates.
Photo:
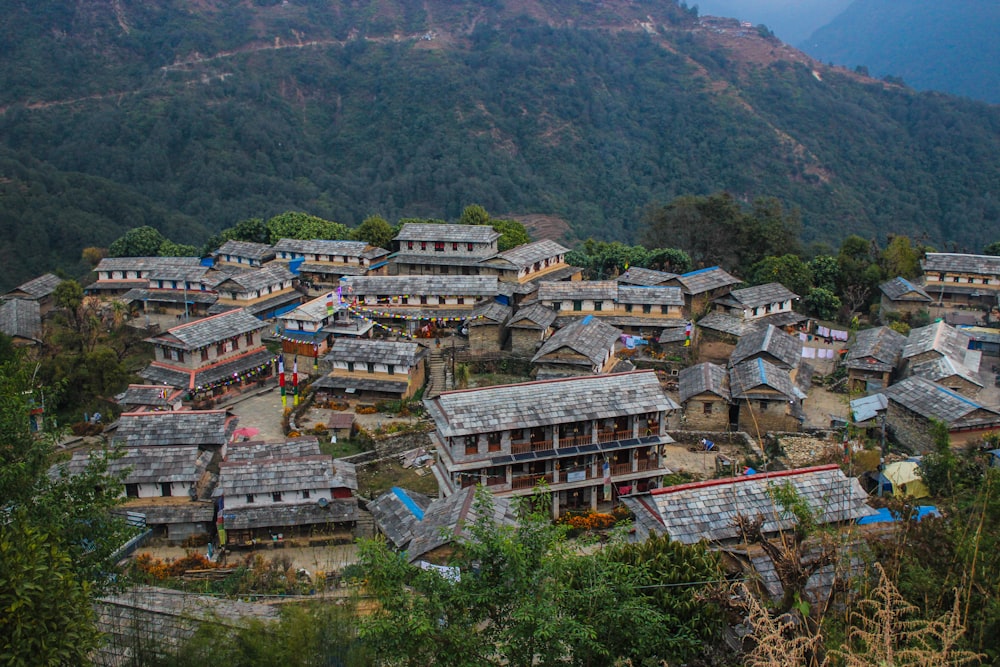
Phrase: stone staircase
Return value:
(439, 373)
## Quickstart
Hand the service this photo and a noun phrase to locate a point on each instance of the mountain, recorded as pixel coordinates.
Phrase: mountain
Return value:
(791, 20)
(932, 45)
(192, 115)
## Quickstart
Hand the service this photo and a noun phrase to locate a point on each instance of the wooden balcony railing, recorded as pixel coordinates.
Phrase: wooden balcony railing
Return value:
(647, 464)
(621, 468)
(529, 481)
(496, 481)
(537, 446)
(611, 436)
(576, 440)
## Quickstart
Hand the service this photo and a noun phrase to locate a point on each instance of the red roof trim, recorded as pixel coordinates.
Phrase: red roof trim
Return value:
(743, 478)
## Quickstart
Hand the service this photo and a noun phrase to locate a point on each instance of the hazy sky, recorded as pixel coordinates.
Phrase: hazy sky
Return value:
(791, 20)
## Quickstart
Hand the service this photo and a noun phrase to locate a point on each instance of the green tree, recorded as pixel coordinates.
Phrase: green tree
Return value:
(512, 233)
(376, 231)
(474, 214)
(992, 249)
(170, 249)
(789, 270)
(142, 241)
(294, 225)
(822, 303)
(901, 258)
(825, 272)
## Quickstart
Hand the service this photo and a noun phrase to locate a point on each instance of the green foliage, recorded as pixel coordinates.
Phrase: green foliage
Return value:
(137, 242)
(901, 258)
(992, 249)
(376, 231)
(789, 270)
(601, 259)
(822, 303)
(825, 272)
(512, 234)
(293, 225)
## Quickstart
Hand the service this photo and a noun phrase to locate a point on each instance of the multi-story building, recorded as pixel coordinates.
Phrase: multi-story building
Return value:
(584, 347)
(323, 263)
(443, 249)
(117, 275)
(872, 358)
(309, 330)
(243, 254)
(264, 292)
(633, 309)
(526, 265)
(702, 286)
(955, 279)
(902, 297)
(752, 303)
(373, 368)
(588, 439)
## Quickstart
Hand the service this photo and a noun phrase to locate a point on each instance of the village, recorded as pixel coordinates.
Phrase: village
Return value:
(309, 393)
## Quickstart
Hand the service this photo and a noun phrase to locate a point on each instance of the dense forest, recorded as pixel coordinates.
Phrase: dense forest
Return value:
(189, 118)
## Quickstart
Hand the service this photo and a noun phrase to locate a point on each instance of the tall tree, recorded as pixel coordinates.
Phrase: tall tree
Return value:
(142, 241)
(295, 225)
(375, 230)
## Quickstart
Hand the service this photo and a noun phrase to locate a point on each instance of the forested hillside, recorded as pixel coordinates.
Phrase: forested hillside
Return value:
(192, 116)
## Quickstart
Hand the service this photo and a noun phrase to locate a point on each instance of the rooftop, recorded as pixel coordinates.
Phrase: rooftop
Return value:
(333, 248)
(759, 295)
(933, 401)
(784, 348)
(445, 520)
(364, 350)
(706, 280)
(953, 262)
(39, 287)
(654, 295)
(258, 251)
(210, 330)
(701, 379)
(648, 277)
(256, 279)
(535, 316)
(876, 349)
(396, 512)
(187, 427)
(145, 263)
(589, 337)
(523, 256)
(423, 286)
(560, 290)
(448, 233)
(20, 318)
(901, 289)
(937, 337)
(747, 377)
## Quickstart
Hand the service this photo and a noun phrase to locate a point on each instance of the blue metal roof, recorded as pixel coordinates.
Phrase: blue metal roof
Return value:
(408, 502)
(694, 273)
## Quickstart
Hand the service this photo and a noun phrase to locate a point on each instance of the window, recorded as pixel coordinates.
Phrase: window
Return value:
(439, 246)
(471, 446)
(423, 301)
(305, 494)
(646, 308)
(166, 488)
(131, 490)
(664, 310)
(235, 343)
(276, 497)
(454, 245)
(598, 305)
(404, 300)
(249, 499)
(763, 405)
(444, 270)
(706, 408)
(423, 245)
(204, 354)
(371, 367)
(493, 442)
(392, 369)
(409, 245)
(628, 307)
(350, 366)
(577, 305)
(220, 349)
(470, 247)
(249, 339)
(461, 300)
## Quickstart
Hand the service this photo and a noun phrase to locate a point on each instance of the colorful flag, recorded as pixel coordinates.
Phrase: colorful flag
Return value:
(607, 480)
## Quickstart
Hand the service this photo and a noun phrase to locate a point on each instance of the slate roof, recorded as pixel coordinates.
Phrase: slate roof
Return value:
(396, 512)
(151, 465)
(637, 275)
(589, 337)
(145, 263)
(258, 251)
(561, 273)
(785, 348)
(938, 337)
(39, 287)
(689, 513)
(563, 290)
(490, 313)
(285, 474)
(448, 233)
(445, 520)
(877, 349)
(183, 427)
(363, 350)
(701, 379)
(933, 401)
(360, 383)
(291, 297)
(901, 289)
(942, 368)
(758, 295)
(706, 280)
(953, 262)
(672, 334)
(548, 402)
(724, 323)
(191, 274)
(168, 296)
(277, 515)
(748, 376)
(258, 449)
(525, 255)
(336, 248)
(423, 285)
(656, 295)
(21, 318)
(162, 373)
(210, 330)
(333, 269)
(155, 395)
(313, 310)
(536, 316)
(255, 280)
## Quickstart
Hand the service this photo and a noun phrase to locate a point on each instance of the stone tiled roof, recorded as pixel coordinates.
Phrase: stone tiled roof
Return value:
(673, 334)
(490, 313)
(145, 263)
(307, 445)
(562, 290)
(20, 318)
(314, 310)
(639, 276)
(942, 368)
(953, 262)
(151, 465)
(699, 511)
(363, 350)
(284, 298)
(255, 280)
(877, 349)
(39, 287)
(933, 401)
(535, 316)
(901, 289)
(749, 376)
(185, 427)
(786, 349)
(332, 269)
(701, 379)
(423, 285)
(734, 326)
(448, 233)
(552, 275)
(285, 474)
(445, 520)
(335, 248)
(589, 337)
(470, 260)
(396, 512)
(161, 373)
(258, 251)
(360, 383)
(781, 320)
(938, 337)
(525, 255)
(210, 330)
(191, 274)
(656, 295)
(168, 296)
(706, 280)
(758, 295)
(149, 394)
(277, 515)
(532, 404)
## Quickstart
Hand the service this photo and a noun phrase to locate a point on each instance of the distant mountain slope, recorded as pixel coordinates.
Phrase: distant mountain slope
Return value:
(791, 20)
(191, 116)
(951, 46)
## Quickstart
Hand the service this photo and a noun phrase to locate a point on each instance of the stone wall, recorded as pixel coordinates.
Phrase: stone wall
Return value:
(696, 418)
(909, 429)
(397, 443)
(738, 438)
(525, 342)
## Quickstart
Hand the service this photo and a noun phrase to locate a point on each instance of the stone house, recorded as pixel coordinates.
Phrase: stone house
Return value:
(690, 513)
(527, 265)
(872, 358)
(376, 369)
(243, 254)
(529, 328)
(949, 373)
(584, 347)
(903, 298)
(591, 439)
(264, 292)
(205, 429)
(212, 356)
(433, 249)
(701, 287)
(638, 310)
(322, 263)
(41, 290)
(21, 319)
(184, 291)
(770, 344)
(705, 397)
(273, 491)
(150, 397)
(915, 402)
(310, 328)
(938, 340)
(487, 329)
(636, 275)
(765, 397)
(956, 279)
(755, 302)
(117, 275)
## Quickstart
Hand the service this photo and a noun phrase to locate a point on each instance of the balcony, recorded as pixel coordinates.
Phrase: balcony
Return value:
(576, 440)
(621, 469)
(537, 446)
(646, 465)
(612, 436)
(529, 481)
